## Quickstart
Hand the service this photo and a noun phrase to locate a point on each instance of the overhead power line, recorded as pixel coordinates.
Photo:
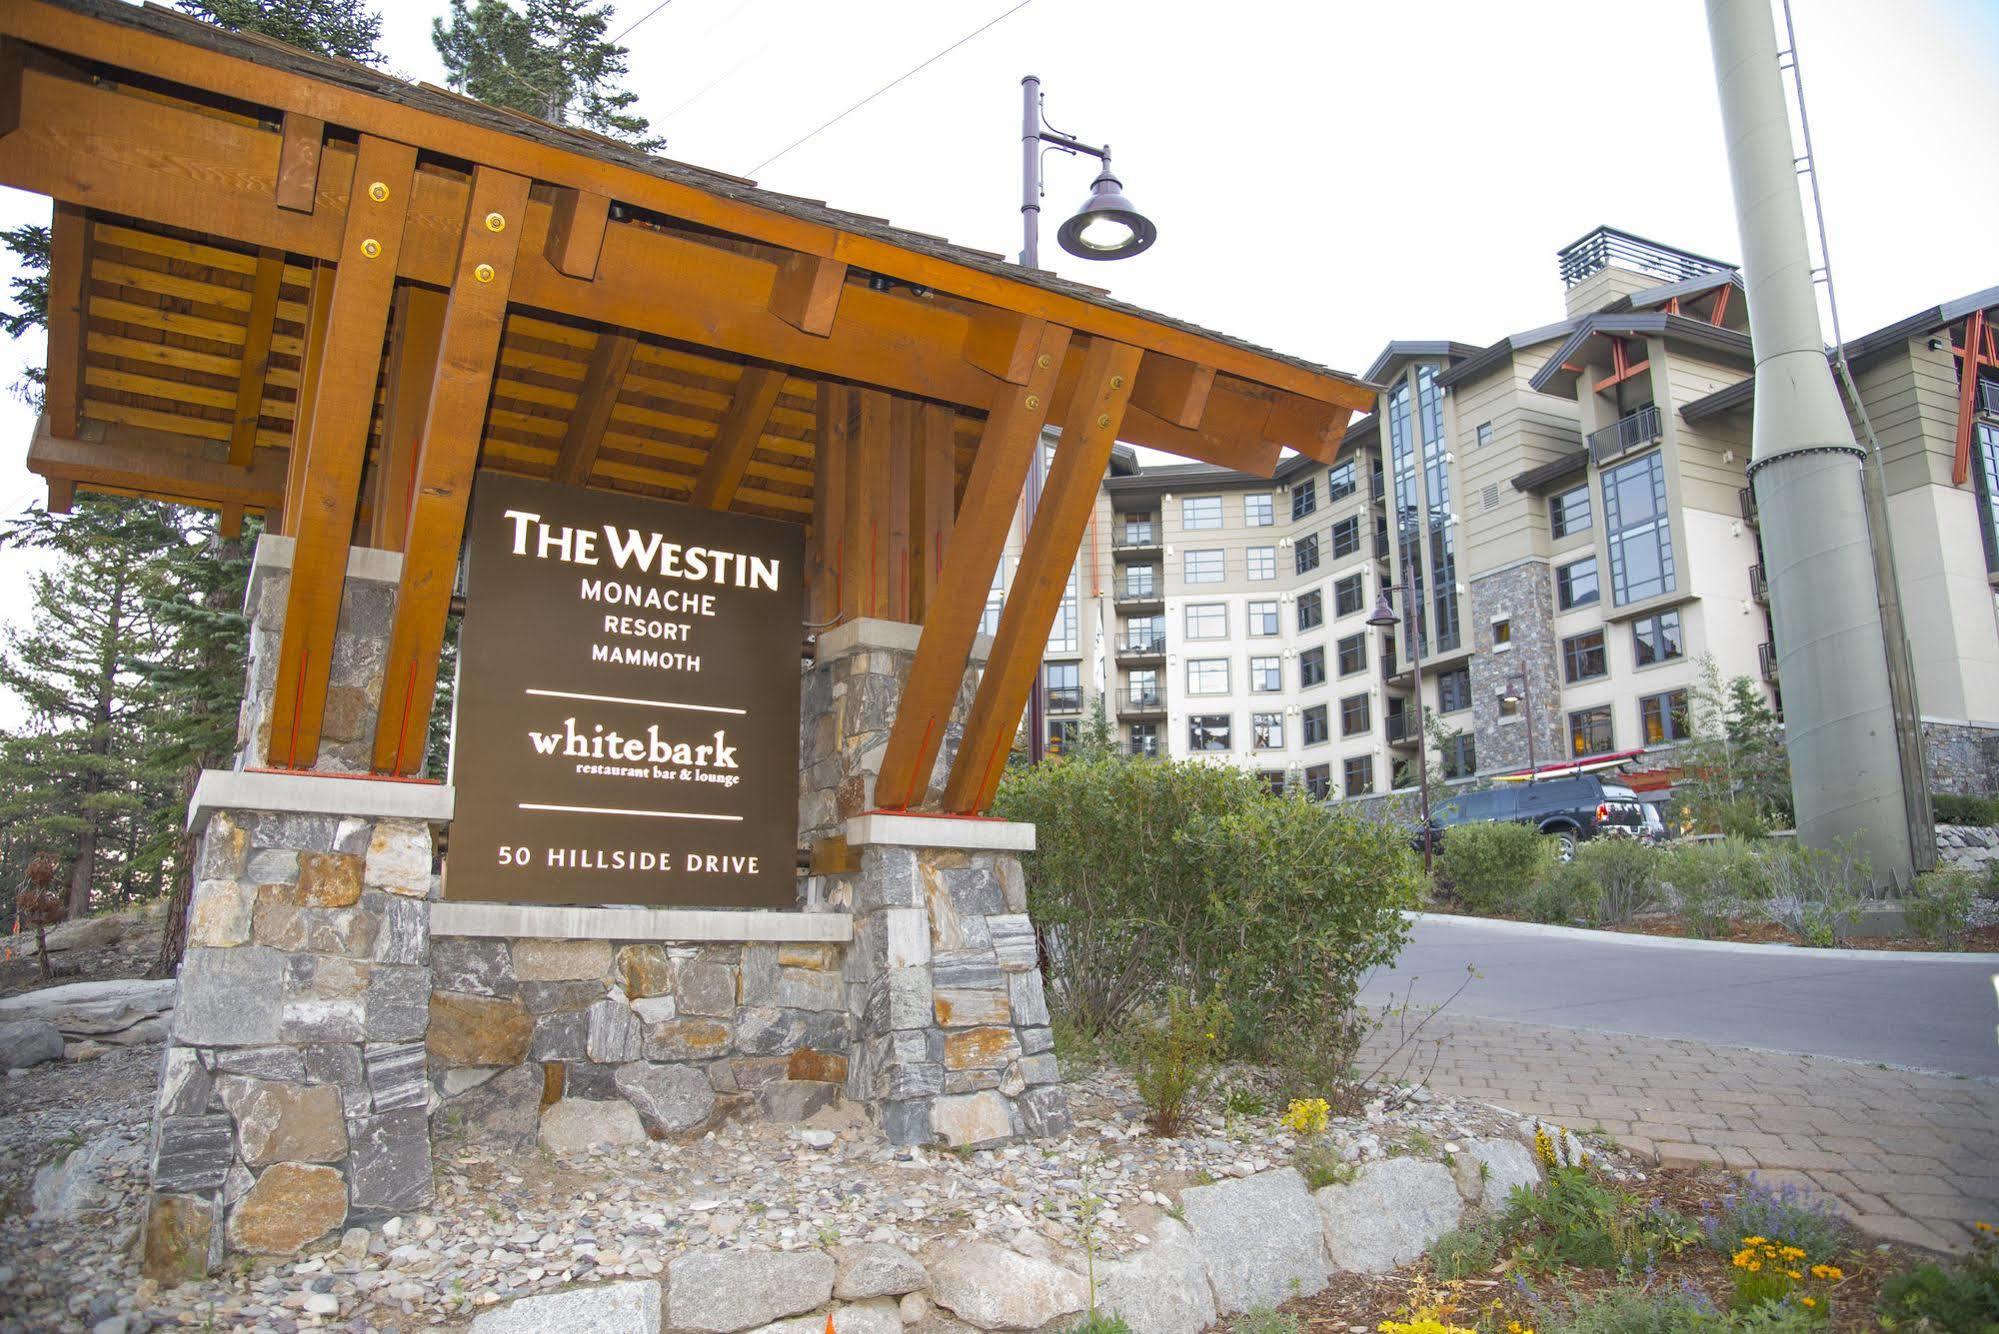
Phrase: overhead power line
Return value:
(648, 14)
(887, 87)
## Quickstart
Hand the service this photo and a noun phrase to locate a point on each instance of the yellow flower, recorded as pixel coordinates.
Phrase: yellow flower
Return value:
(1793, 1273)
(1983, 1227)
(1755, 1241)
(1830, 1273)
(1809, 1301)
(1755, 1265)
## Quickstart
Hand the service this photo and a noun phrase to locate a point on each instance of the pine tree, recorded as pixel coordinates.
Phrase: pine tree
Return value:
(550, 60)
(344, 28)
(78, 778)
(29, 244)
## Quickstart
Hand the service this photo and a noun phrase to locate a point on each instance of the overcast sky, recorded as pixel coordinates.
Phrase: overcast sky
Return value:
(1325, 176)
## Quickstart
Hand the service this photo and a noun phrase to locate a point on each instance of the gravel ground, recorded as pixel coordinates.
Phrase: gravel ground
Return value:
(506, 1225)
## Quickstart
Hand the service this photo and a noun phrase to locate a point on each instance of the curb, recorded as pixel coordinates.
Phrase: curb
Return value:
(1643, 941)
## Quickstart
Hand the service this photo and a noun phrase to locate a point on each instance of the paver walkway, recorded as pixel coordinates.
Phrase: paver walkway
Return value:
(1912, 1156)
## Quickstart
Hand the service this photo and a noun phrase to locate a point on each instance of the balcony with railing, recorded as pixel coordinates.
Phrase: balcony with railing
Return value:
(1377, 488)
(1759, 584)
(1141, 703)
(1630, 432)
(1401, 728)
(1145, 747)
(1746, 499)
(1988, 398)
(1064, 699)
(1137, 592)
(1141, 646)
(1135, 539)
(1766, 658)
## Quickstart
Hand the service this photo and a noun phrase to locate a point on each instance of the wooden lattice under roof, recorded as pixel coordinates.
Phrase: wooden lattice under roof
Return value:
(297, 287)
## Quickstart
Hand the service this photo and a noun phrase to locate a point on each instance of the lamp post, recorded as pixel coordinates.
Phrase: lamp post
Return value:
(1383, 617)
(1105, 227)
(1516, 693)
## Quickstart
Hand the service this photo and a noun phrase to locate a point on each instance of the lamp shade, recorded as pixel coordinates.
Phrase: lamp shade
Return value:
(1107, 226)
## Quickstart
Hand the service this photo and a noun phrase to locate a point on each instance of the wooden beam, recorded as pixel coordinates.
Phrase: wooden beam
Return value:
(298, 162)
(62, 495)
(108, 456)
(343, 401)
(1174, 390)
(467, 354)
(69, 276)
(416, 331)
(865, 539)
(1312, 428)
(736, 437)
(609, 361)
(439, 127)
(905, 418)
(1088, 432)
(576, 232)
(806, 292)
(824, 570)
(318, 309)
(259, 325)
(1012, 434)
(932, 468)
(1003, 344)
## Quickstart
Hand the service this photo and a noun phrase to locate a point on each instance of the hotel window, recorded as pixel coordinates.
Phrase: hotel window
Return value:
(1145, 634)
(1317, 727)
(1065, 687)
(1256, 510)
(1266, 731)
(1589, 731)
(995, 601)
(1583, 658)
(1484, 434)
(1137, 531)
(1201, 512)
(1207, 620)
(1319, 781)
(1262, 619)
(1063, 734)
(1356, 715)
(1575, 583)
(1143, 688)
(1203, 567)
(1207, 676)
(1145, 739)
(1306, 553)
(1348, 595)
(1638, 530)
(1208, 731)
(1266, 675)
(1311, 610)
(1340, 482)
(1569, 512)
(1460, 756)
(1353, 654)
(1454, 690)
(1304, 498)
(1657, 639)
(1346, 536)
(1262, 562)
(1986, 474)
(1311, 667)
(1141, 581)
(1502, 632)
(1663, 718)
(1272, 780)
(1062, 635)
(1359, 776)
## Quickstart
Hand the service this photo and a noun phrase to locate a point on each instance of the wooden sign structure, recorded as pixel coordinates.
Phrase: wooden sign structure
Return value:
(627, 702)
(290, 286)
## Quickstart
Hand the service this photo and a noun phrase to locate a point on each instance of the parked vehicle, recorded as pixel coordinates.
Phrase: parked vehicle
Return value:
(1569, 810)
(1656, 829)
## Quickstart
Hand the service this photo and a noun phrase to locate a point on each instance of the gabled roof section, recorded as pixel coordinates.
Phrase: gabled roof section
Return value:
(1539, 481)
(1560, 376)
(1400, 353)
(1490, 358)
(1654, 297)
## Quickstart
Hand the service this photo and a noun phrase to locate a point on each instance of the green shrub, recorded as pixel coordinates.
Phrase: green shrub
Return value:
(1816, 893)
(1711, 879)
(1741, 818)
(1173, 1060)
(1960, 1295)
(1950, 809)
(1939, 906)
(1491, 868)
(1787, 1213)
(1610, 881)
(1469, 1252)
(1576, 1219)
(1274, 905)
(1682, 1311)
(1321, 1165)
(1264, 1320)
(1096, 1322)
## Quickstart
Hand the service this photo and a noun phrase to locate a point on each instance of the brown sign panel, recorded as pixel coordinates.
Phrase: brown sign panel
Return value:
(627, 708)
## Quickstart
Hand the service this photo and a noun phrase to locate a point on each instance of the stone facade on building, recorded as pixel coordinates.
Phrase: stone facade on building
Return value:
(1523, 596)
(1963, 758)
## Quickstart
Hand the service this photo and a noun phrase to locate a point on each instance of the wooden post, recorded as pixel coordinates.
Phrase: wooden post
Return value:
(904, 422)
(258, 327)
(1088, 432)
(736, 437)
(343, 401)
(1012, 434)
(865, 541)
(413, 343)
(824, 554)
(468, 351)
(68, 301)
(318, 307)
(932, 500)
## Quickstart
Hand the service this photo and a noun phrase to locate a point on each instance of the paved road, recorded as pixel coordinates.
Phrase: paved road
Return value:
(1925, 1013)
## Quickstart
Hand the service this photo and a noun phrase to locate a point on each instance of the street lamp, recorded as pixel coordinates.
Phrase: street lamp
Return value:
(1516, 694)
(1106, 226)
(1384, 617)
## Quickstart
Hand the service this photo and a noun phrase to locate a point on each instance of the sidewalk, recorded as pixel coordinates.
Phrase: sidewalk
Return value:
(1912, 1157)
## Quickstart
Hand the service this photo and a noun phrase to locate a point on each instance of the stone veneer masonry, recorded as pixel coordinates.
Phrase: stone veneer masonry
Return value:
(334, 1017)
(1963, 758)
(1525, 594)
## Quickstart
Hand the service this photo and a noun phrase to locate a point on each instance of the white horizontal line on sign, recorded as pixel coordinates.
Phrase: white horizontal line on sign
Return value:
(644, 703)
(616, 810)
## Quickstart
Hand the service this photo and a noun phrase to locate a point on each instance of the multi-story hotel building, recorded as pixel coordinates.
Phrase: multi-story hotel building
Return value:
(1571, 508)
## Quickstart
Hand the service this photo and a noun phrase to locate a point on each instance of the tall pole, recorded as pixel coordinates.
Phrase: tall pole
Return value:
(1846, 769)
(1409, 613)
(1527, 717)
(1030, 256)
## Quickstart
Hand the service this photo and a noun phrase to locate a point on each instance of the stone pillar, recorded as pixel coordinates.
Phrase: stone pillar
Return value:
(292, 1096)
(952, 1037)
